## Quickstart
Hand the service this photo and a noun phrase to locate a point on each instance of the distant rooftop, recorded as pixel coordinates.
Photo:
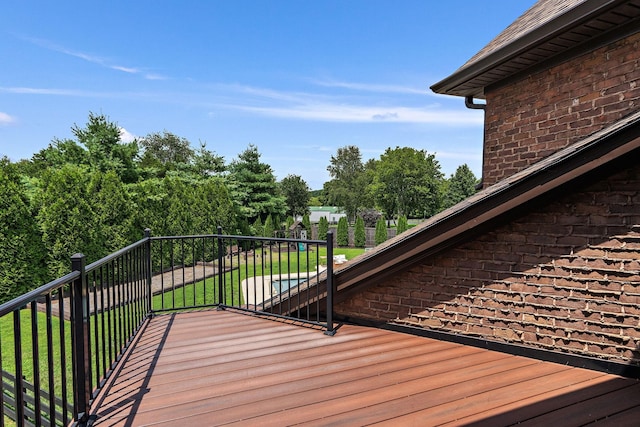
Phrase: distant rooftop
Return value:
(330, 209)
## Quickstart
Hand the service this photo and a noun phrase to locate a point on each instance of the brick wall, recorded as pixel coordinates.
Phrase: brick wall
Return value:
(564, 277)
(546, 111)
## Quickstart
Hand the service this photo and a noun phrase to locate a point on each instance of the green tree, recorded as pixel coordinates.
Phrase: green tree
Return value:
(112, 215)
(105, 151)
(258, 228)
(289, 222)
(21, 255)
(149, 198)
(253, 186)
(58, 153)
(163, 152)
(206, 163)
(213, 206)
(381, 231)
(403, 224)
(343, 232)
(66, 217)
(347, 187)
(459, 186)
(323, 227)
(269, 229)
(296, 193)
(359, 237)
(306, 222)
(407, 182)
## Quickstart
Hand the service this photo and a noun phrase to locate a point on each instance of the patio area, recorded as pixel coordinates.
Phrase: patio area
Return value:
(227, 368)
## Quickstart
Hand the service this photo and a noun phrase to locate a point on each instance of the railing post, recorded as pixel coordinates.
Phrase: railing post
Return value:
(149, 267)
(330, 329)
(80, 341)
(220, 268)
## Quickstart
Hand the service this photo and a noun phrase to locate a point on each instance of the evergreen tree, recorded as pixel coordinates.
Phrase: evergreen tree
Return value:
(112, 215)
(343, 232)
(66, 217)
(459, 186)
(268, 227)
(359, 237)
(403, 224)
(105, 151)
(21, 255)
(381, 231)
(289, 223)
(258, 228)
(323, 227)
(253, 186)
(306, 222)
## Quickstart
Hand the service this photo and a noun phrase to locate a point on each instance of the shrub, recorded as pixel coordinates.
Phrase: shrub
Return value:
(403, 224)
(268, 227)
(306, 222)
(343, 232)
(258, 228)
(323, 227)
(381, 231)
(359, 237)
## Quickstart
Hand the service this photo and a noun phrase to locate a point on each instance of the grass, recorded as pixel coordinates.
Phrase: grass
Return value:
(205, 292)
(27, 356)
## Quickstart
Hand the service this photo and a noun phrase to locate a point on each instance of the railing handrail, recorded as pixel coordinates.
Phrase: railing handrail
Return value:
(114, 255)
(240, 237)
(31, 296)
(43, 290)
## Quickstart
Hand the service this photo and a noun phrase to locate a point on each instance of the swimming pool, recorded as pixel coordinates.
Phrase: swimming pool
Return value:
(284, 284)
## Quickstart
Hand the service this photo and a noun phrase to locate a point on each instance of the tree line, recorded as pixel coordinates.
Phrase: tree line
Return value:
(403, 183)
(95, 194)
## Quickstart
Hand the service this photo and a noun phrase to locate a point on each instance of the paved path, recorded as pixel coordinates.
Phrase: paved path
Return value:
(171, 279)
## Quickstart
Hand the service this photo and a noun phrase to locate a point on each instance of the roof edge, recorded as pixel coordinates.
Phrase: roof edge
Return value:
(569, 19)
(447, 227)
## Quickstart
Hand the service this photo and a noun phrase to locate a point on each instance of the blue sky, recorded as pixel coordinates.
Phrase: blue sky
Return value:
(298, 79)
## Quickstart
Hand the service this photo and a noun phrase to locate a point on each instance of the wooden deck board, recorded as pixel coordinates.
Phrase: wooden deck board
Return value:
(226, 368)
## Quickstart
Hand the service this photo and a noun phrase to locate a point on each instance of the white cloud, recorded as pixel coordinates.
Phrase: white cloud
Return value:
(364, 114)
(126, 136)
(94, 59)
(369, 87)
(151, 76)
(124, 69)
(6, 119)
(343, 107)
(44, 91)
(77, 93)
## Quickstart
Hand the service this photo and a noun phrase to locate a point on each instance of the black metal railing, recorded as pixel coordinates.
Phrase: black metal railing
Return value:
(257, 274)
(68, 335)
(60, 343)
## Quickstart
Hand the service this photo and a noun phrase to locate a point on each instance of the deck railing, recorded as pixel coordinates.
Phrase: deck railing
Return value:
(60, 343)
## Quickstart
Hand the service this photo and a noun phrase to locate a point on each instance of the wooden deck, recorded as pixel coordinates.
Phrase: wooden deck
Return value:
(225, 368)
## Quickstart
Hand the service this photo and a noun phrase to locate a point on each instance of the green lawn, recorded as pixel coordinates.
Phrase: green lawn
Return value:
(205, 292)
(27, 356)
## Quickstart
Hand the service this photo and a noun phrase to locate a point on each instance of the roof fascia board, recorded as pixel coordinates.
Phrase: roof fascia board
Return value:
(596, 43)
(581, 13)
